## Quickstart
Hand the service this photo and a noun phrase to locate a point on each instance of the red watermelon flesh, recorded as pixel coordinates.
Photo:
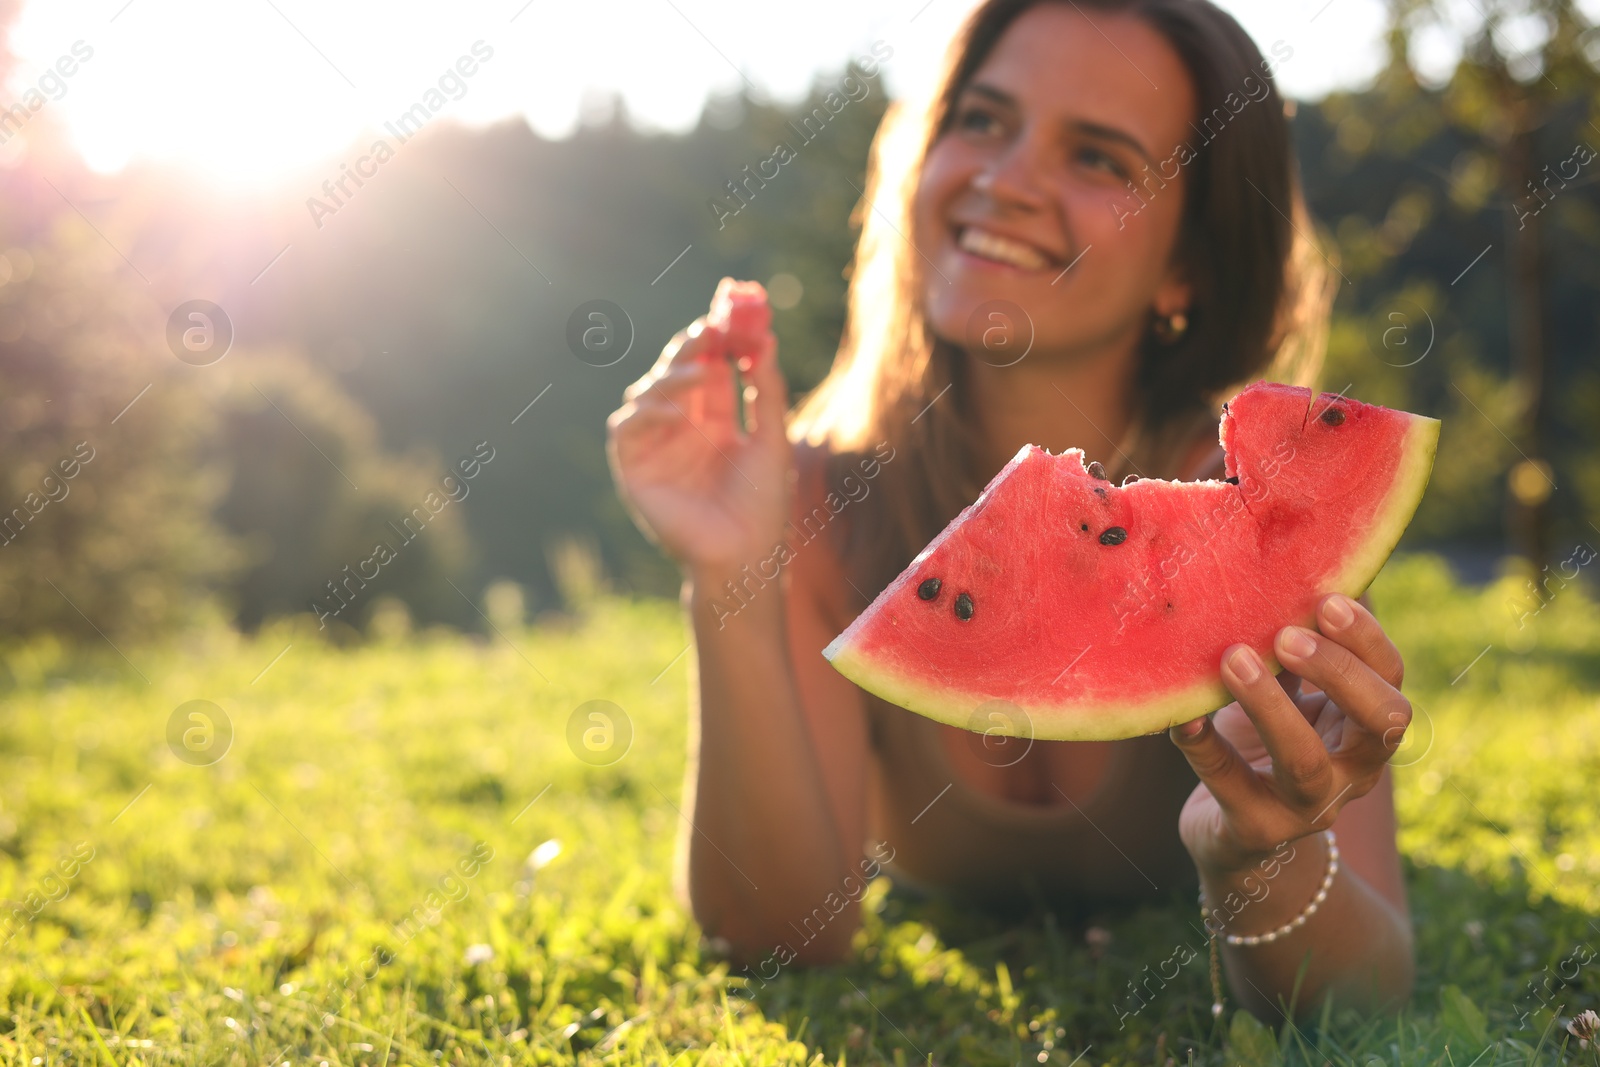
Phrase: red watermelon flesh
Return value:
(1078, 609)
(741, 312)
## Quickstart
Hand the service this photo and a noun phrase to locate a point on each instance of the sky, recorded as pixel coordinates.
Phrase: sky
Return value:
(253, 91)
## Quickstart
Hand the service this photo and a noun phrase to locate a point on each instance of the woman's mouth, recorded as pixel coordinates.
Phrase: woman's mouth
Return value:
(1008, 251)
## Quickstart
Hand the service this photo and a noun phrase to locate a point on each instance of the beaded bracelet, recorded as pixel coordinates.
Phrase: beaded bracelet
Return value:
(1271, 935)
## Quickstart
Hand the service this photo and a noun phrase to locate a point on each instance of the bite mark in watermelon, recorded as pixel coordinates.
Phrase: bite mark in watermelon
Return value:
(1090, 611)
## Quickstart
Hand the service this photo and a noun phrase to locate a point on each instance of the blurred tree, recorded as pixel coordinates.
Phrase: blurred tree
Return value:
(136, 487)
(1518, 103)
(109, 481)
(107, 488)
(1467, 226)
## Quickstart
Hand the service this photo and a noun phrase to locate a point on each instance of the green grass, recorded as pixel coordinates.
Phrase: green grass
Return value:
(229, 912)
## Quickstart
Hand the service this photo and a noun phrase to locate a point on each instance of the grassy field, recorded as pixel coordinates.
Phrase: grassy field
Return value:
(399, 859)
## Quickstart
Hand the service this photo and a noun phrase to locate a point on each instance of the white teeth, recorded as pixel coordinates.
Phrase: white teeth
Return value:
(1001, 249)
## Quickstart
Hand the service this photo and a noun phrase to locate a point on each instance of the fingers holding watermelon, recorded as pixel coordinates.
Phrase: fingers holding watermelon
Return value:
(1278, 765)
(1301, 767)
(1264, 769)
(1225, 771)
(1360, 672)
(766, 395)
(1353, 625)
(707, 482)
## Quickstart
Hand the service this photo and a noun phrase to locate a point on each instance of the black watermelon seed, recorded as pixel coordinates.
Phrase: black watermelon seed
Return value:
(1115, 535)
(1130, 479)
(1084, 527)
(1332, 416)
(963, 607)
(1098, 471)
(1232, 481)
(929, 588)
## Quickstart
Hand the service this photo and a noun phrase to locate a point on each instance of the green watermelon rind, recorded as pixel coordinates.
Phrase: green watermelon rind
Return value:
(1411, 481)
(1076, 721)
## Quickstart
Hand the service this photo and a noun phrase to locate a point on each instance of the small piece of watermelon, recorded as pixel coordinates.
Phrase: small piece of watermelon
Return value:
(1089, 611)
(739, 310)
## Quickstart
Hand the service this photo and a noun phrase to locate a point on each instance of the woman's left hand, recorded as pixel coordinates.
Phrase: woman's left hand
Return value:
(1279, 764)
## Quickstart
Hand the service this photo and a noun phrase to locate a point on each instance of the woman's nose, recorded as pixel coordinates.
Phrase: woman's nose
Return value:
(1013, 176)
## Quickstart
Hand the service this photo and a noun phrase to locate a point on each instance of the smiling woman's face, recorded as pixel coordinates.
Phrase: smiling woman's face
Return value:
(1032, 173)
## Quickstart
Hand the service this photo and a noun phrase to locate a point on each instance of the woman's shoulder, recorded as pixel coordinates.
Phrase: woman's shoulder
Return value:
(821, 468)
(811, 462)
(835, 504)
(823, 490)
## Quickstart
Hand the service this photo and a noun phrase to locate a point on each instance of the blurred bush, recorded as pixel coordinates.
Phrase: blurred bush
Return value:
(312, 493)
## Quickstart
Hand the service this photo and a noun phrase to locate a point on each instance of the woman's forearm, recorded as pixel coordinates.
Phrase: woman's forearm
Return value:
(760, 843)
(1361, 946)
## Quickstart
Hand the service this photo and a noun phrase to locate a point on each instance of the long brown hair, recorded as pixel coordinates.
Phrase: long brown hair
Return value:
(1259, 306)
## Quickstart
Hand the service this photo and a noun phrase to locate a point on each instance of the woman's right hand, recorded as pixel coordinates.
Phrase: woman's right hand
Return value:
(712, 493)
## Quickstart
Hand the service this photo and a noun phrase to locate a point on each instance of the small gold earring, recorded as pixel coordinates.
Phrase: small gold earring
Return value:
(1170, 328)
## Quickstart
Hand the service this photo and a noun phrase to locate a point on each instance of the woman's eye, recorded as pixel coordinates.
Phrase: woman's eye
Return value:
(1098, 160)
(976, 120)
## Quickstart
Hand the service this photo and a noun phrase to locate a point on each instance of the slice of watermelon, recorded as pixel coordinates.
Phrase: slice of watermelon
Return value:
(741, 312)
(1079, 609)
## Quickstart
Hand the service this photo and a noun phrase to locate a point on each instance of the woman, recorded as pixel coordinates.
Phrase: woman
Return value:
(1113, 179)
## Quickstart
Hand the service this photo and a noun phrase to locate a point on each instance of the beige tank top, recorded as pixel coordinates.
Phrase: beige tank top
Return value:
(1118, 844)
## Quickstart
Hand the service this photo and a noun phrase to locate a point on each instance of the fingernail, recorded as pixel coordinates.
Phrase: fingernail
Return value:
(1245, 664)
(1193, 727)
(1297, 642)
(1338, 612)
